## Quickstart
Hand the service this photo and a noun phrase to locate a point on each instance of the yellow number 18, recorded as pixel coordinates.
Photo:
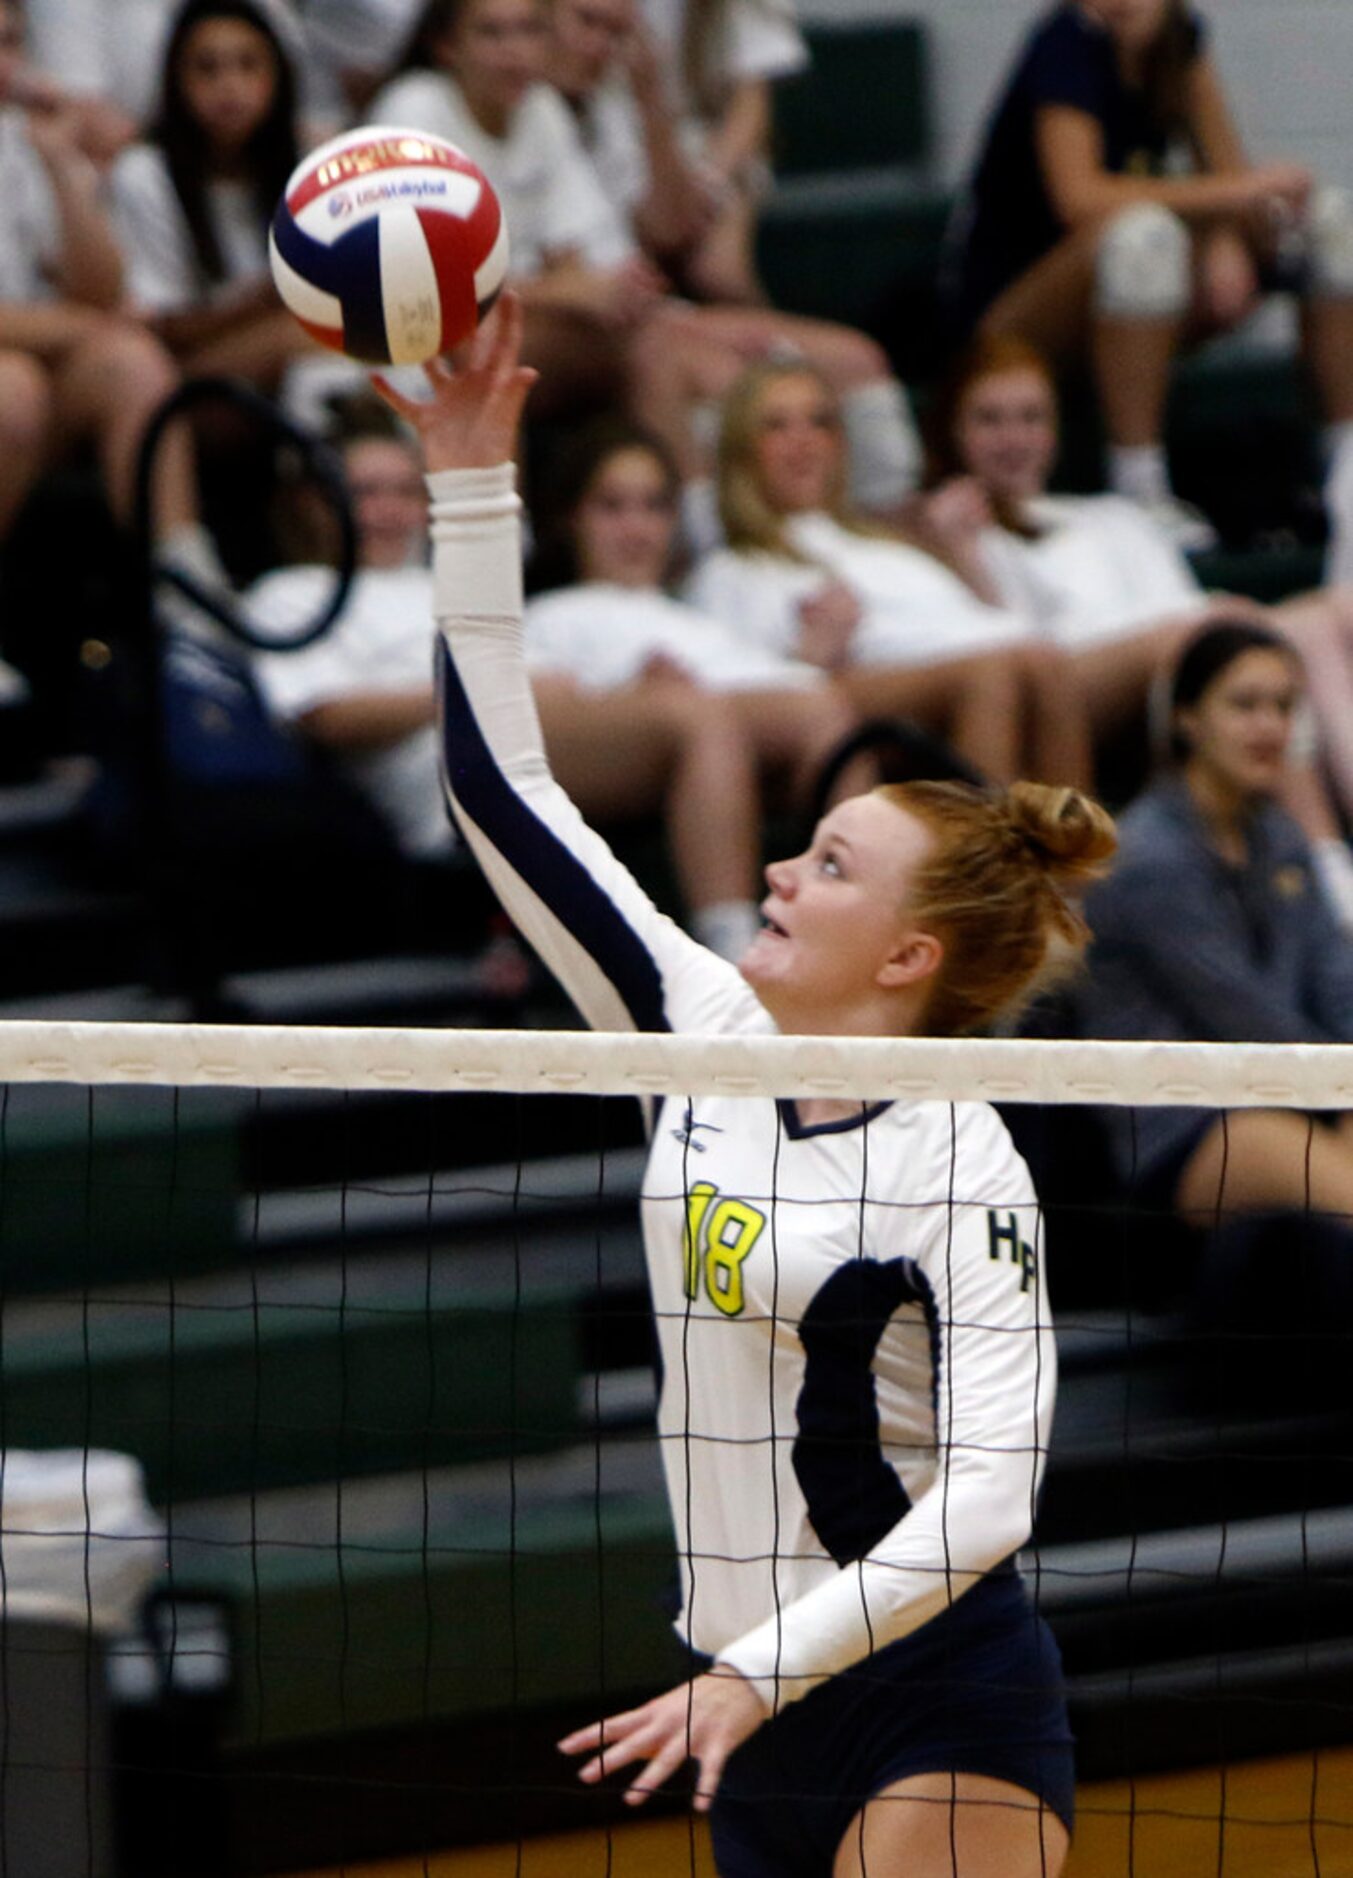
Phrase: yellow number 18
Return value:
(716, 1240)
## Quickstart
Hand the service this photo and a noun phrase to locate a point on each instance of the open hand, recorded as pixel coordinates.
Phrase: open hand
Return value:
(827, 622)
(703, 1721)
(471, 420)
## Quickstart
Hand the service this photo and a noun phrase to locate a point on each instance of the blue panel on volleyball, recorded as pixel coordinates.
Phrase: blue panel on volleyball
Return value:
(349, 269)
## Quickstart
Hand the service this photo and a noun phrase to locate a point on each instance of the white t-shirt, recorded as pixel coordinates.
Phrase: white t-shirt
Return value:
(612, 136)
(602, 635)
(858, 1362)
(750, 39)
(551, 198)
(1102, 571)
(115, 48)
(163, 275)
(30, 227)
(916, 612)
(382, 641)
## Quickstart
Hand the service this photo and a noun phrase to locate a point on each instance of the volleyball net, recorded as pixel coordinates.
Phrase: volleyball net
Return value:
(331, 1491)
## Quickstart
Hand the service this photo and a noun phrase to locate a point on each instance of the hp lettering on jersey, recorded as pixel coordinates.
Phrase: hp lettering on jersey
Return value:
(1003, 1238)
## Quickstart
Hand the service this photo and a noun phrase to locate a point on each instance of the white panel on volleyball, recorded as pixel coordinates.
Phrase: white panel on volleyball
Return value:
(301, 298)
(410, 298)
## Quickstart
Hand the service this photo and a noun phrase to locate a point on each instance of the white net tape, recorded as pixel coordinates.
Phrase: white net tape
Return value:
(1297, 1076)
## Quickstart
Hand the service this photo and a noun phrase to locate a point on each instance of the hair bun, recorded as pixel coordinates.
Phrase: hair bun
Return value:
(1070, 832)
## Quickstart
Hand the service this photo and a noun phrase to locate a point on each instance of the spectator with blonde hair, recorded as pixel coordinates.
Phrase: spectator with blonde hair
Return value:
(903, 630)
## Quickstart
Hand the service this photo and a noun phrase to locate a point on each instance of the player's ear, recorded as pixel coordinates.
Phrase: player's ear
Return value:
(918, 955)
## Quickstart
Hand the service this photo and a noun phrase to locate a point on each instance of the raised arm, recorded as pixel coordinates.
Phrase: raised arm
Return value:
(627, 966)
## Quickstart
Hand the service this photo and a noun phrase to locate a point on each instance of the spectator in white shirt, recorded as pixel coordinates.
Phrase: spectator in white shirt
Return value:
(1098, 576)
(904, 631)
(657, 745)
(600, 322)
(72, 369)
(194, 202)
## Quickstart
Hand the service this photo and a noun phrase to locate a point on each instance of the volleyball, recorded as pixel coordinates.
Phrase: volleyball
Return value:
(388, 245)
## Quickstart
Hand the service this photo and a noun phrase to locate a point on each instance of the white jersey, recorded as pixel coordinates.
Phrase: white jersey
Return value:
(916, 611)
(1102, 569)
(603, 635)
(381, 641)
(551, 199)
(858, 1363)
(163, 273)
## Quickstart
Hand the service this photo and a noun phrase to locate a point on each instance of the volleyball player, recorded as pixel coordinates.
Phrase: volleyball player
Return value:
(858, 1360)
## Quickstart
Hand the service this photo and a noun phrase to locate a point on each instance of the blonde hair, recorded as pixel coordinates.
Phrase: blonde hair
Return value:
(993, 890)
(750, 523)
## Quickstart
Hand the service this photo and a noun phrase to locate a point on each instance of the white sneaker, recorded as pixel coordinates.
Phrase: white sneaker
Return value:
(1188, 528)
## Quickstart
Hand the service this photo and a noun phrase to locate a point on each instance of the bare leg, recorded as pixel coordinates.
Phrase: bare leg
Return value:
(844, 357)
(109, 388)
(1327, 342)
(1057, 745)
(1116, 678)
(25, 430)
(976, 703)
(674, 364)
(793, 732)
(260, 349)
(1132, 360)
(1320, 625)
(669, 750)
(720, 268)
(1052, 307)
(953, 1826)
(1263, 1159)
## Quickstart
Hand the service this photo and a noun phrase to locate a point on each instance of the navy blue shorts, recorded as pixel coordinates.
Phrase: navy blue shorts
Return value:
(977, 1690)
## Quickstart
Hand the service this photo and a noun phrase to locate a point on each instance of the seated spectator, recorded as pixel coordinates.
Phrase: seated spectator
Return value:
(600, 322)
(352, 44)
(615, 625)
(658, 746)
(1101, 578)
(1113, 216)
(73, 372)
(194, 202)
(679, 123)
(1213, 927)
(904, 632)
(108, 59)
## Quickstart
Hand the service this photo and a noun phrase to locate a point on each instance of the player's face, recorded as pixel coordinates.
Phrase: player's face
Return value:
(1133, 23)
(1238, 731)
(388, 499)
(797, 445)
(623, 526)
(837, 935)
(228, 78)
(496, 51)
(587, 37)
(1006, 433)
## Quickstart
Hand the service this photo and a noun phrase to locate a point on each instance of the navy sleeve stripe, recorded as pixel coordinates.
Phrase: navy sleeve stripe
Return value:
(536, 854)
